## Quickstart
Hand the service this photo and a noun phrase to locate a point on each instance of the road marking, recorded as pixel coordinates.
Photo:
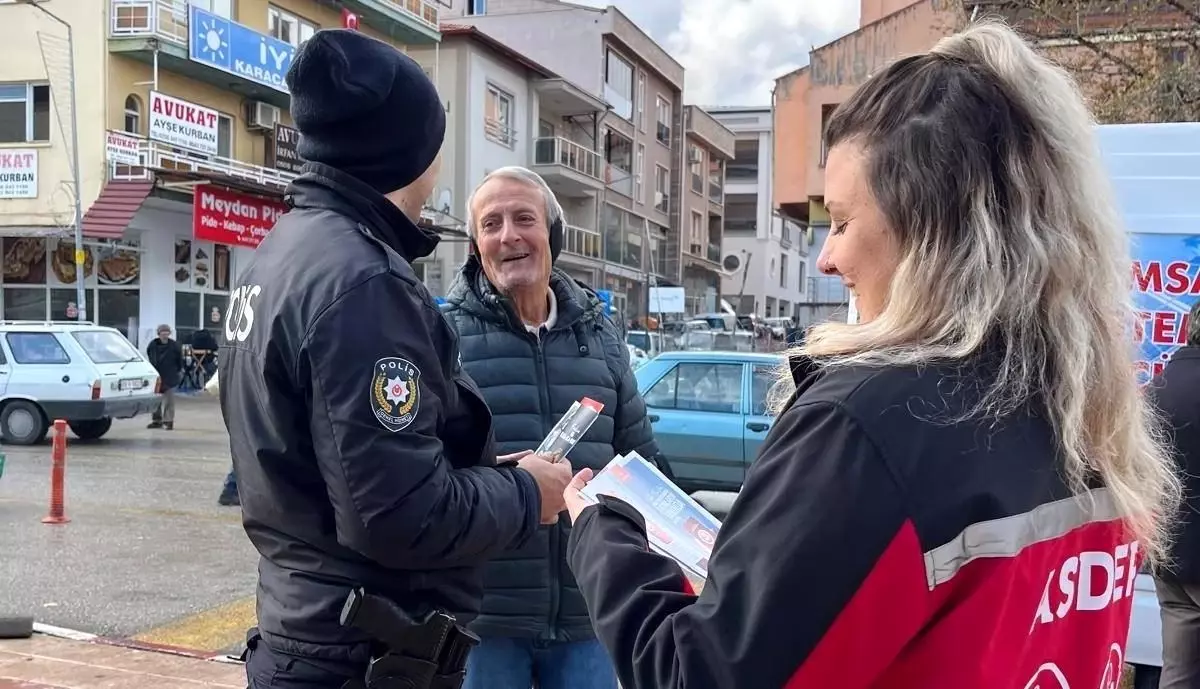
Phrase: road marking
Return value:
(212, 630)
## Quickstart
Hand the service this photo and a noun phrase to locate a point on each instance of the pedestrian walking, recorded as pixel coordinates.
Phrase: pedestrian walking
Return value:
(1176, 391)
(538, 341)
(364, 454)
(962, 487)
(166, 356)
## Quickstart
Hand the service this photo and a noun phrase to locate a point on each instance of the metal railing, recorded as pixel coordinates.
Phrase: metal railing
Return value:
(555, 150)
(155, 155)
(583, 242)
(163, 19)
(499, 131)
(424, 11)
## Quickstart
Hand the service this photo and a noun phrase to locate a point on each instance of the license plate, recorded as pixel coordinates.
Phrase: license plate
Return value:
(131, 384)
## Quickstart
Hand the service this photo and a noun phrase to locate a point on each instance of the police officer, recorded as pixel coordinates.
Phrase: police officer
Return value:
(364, 454)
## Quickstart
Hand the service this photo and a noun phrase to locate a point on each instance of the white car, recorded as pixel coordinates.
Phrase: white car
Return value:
(637, 356)
(82, 373)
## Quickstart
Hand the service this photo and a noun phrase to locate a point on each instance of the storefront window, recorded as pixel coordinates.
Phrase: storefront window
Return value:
(40, 281)
(202, 273)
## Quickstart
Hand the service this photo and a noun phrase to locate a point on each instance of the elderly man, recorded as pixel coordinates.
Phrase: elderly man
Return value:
(166, 356)
(536, 340)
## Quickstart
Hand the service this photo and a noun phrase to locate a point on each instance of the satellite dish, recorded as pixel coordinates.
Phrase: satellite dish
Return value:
(444, 199)
(731, 263)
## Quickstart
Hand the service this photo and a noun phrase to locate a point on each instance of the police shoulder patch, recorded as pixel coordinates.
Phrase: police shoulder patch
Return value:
(395, 393)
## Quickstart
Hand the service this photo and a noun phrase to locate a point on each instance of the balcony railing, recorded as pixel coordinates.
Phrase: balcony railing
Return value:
(154, 155)
(620, 181)
(555, 150)
(716, 191)
(163, 19)
(424, 11)
(714, 253)
(583, 242)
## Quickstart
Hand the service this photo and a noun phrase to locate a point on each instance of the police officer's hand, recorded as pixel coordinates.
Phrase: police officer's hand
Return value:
(552, 478)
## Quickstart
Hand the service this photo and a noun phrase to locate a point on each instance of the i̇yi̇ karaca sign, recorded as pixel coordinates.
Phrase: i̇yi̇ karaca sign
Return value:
(227, 217)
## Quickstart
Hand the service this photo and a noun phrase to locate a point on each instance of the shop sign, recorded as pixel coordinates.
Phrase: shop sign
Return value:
(122, 148)
(231, 47)
(18, 173)
(1166, 282)
(179, 123)
(228, 217)
(283, 151)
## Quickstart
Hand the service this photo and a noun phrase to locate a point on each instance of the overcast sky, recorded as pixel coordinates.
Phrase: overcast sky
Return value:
(733, 50)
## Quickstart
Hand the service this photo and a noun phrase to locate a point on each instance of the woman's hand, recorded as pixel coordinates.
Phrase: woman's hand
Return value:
(574, 499)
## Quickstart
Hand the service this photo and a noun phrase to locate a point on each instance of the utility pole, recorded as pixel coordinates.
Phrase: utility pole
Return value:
(80, 292)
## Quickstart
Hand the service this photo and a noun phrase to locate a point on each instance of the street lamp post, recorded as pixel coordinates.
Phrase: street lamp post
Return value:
(80, 292)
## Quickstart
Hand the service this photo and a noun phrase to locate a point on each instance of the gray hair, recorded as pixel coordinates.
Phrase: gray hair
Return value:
(554, 211)
(163, 327)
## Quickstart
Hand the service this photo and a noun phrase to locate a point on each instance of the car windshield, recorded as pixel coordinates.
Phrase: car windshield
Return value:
(639, 340)
(106, 347)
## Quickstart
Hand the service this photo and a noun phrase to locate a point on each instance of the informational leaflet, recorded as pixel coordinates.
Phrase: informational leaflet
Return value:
(676, 525)
(570, 428)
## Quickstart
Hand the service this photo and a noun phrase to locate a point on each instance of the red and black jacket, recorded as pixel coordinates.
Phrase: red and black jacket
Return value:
(878, 543)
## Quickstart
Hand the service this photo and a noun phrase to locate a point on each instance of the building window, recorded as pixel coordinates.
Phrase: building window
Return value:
(618, 84)
(225, 136)
(202, 276)
(696, 236)
(498, 116)
(221, 8)
(716, 179)
(826, 113)
(289, 28)
(618, 151)
(24, 113)
(133, 114)
(639, 172)
(783, 266)
(476, 7)
(663, 131)
(696, 167)
(745, 161)
(662, 182)
(641, 101)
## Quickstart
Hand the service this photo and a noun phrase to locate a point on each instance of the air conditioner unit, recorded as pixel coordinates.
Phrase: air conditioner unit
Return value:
(261, 116)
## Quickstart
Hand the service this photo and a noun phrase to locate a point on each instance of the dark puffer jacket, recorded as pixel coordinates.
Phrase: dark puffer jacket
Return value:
(529, 384)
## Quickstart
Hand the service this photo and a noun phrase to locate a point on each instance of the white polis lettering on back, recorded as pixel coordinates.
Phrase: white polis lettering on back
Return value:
(1091, 580)
(241, 312)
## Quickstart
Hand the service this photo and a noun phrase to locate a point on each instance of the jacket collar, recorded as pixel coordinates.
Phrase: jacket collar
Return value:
(325, 187)
(473, 293)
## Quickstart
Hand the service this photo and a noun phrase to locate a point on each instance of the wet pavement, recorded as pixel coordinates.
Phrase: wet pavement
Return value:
(148, 553)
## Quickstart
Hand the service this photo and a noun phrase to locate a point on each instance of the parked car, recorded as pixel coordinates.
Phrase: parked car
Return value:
(637, 356)
(651, 343)
(709, 412)
(80, 372)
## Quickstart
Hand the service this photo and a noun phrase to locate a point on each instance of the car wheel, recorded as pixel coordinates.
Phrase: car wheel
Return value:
(90, 429)
(1146, 676)
(23, 423)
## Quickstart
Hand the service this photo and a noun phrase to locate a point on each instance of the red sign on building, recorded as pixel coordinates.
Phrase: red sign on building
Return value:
(228, 217)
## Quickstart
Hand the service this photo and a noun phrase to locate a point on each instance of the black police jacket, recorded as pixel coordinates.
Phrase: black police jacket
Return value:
(529, 382)
(364, 454)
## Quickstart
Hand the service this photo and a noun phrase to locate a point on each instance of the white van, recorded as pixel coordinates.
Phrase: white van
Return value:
(1155, 173)
(83, 373)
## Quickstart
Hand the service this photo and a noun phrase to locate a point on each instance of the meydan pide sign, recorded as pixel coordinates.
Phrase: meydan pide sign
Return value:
(228, 217)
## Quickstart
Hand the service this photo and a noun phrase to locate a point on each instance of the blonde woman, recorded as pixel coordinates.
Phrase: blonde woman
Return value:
(960, 491)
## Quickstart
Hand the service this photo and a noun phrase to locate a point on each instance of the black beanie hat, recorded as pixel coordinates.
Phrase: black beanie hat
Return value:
(365, 108)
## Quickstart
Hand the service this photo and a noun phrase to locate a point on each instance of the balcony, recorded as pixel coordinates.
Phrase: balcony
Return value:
(569, 168)
(716, 191)
(714, 253)
(583, 243)
(410, 22)
(180, 164)
(620, 181)
(216, 51)
(703, 256)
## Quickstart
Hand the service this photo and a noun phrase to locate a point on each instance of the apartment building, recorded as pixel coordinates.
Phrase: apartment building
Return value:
(503, 108)
(764, 254)
(184, 148)
(709, 146)
(640, 138)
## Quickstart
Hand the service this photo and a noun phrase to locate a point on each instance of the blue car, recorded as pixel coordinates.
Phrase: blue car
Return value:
(709, 412)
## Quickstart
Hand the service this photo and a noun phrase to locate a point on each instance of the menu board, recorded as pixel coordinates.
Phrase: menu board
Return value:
(50, 261)
(201, 265)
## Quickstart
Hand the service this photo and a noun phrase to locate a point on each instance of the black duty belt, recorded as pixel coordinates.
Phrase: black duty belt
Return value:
(429, 652)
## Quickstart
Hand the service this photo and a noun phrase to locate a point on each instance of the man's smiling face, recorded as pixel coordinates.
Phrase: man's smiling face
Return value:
(512, 234)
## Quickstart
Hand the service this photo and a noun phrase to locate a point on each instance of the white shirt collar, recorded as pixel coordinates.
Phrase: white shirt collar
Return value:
(551, 317)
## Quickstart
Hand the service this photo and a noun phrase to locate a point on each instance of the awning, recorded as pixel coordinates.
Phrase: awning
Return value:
(119, 200)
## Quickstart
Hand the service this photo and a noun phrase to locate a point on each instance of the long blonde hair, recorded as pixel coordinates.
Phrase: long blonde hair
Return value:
(982, 157)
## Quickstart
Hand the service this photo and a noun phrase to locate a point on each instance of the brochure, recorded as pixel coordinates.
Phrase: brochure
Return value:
(570, 428)
(676, 525)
